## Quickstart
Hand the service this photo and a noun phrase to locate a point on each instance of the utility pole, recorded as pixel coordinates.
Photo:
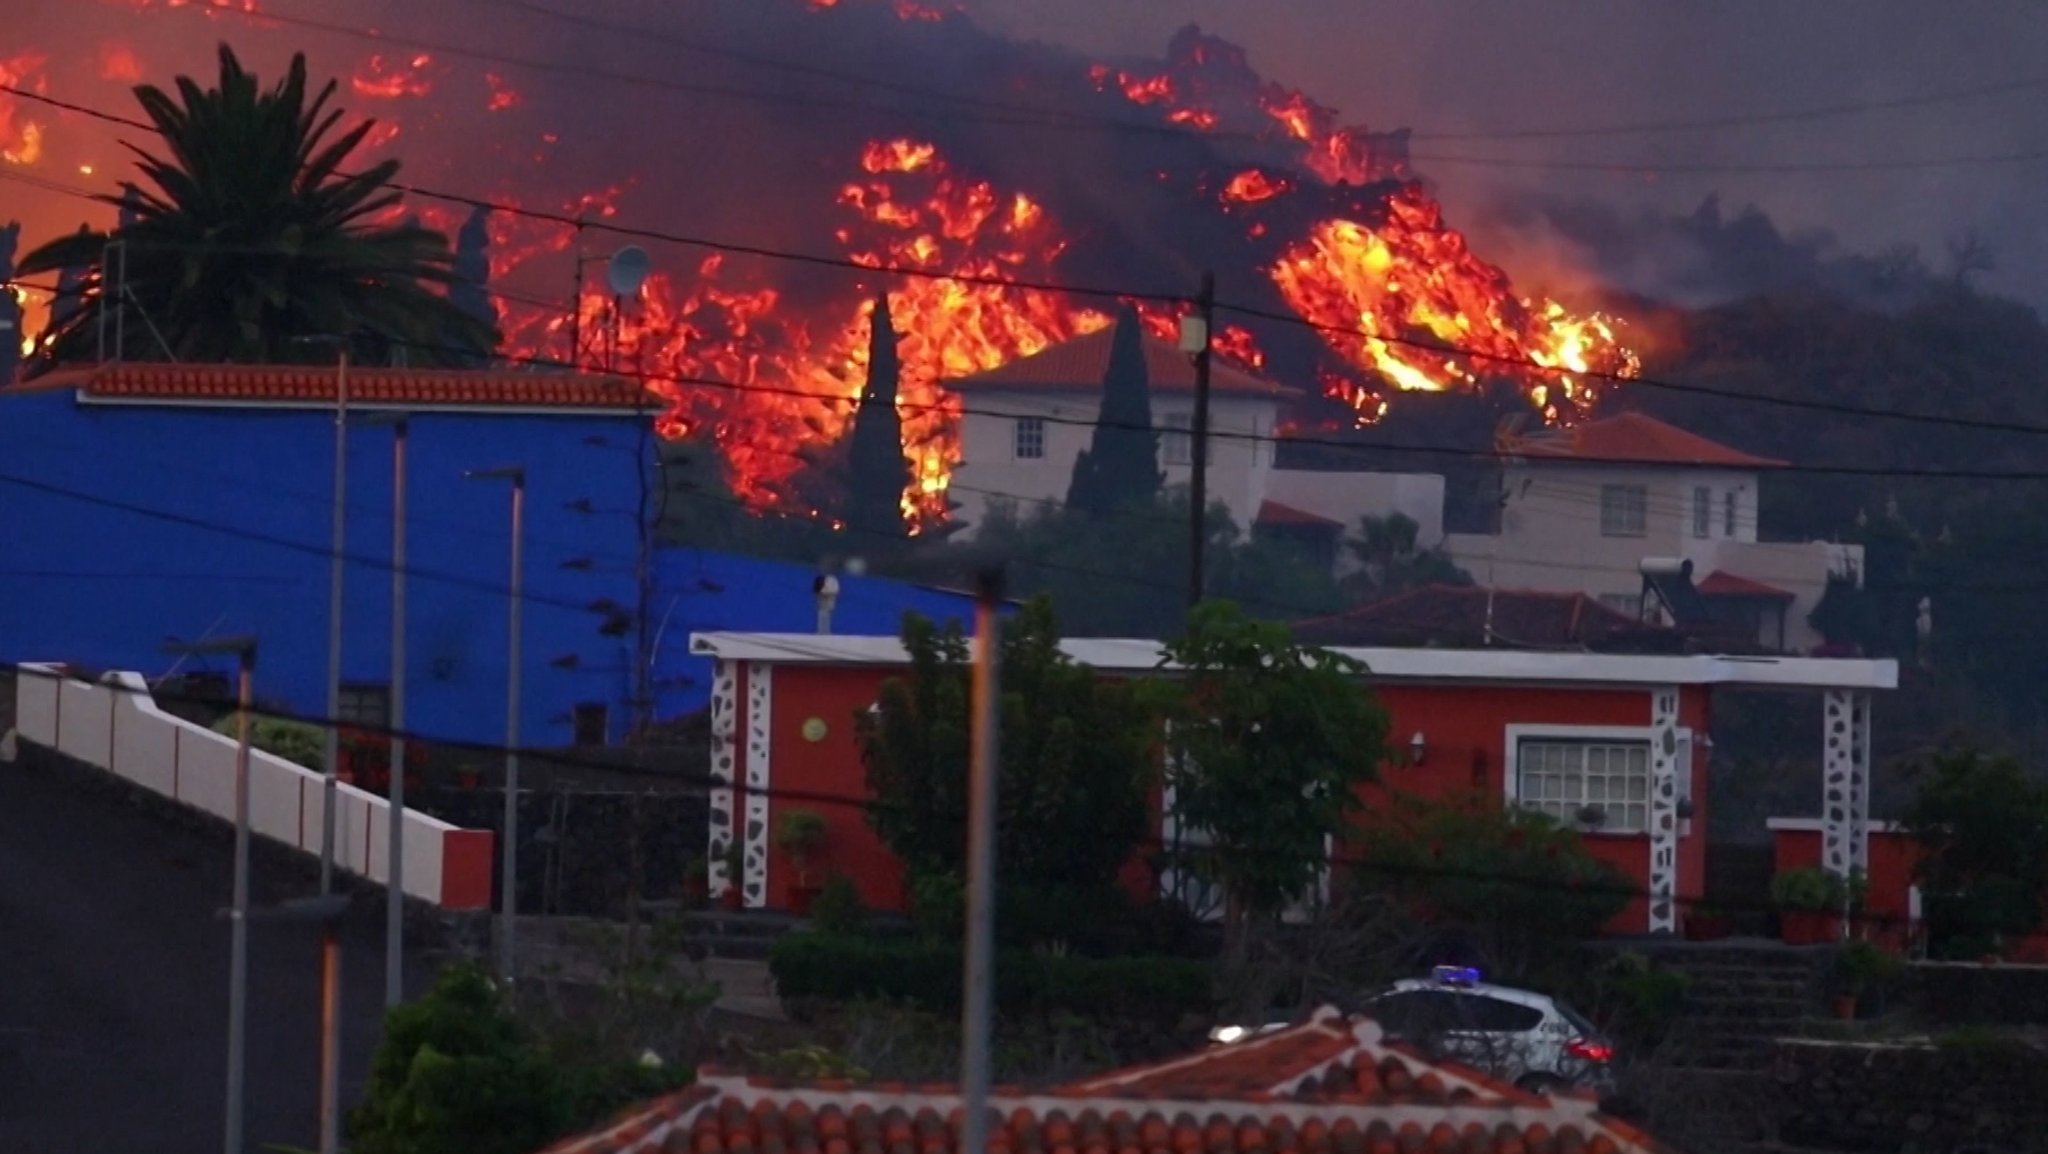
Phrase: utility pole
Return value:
(981, 864)
(508, 849)
(335, 576)
(1196, 338)
(394, 909)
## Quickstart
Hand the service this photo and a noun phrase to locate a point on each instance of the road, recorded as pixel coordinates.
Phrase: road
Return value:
(113, 982)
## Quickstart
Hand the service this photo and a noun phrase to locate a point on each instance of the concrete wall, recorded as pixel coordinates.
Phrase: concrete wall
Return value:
(989, 468)
(114, 725)
(145, 522)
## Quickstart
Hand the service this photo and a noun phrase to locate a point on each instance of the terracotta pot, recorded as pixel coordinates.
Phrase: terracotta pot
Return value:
(1845, 1007)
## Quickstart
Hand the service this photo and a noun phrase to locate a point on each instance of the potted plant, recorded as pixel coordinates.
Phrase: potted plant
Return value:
(735, 859)
(1809, 902)
(1861, 968)
(1857, 895)
(799, 835)
(1591, 818)
(697, 882)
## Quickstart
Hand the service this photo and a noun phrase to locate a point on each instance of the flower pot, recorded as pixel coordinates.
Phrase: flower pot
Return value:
(802, 897)
(1809, 927)
(1844, 1006)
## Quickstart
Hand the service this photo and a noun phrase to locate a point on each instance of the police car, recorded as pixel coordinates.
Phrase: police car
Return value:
(1531, 1039)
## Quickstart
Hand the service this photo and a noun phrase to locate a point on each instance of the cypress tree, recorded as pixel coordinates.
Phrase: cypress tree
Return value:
(878, 473)
(10, 306)
(1120, 467)
(472, 277)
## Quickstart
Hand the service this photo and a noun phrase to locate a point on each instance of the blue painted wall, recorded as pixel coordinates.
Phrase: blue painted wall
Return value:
(699, 591)
(147, 522)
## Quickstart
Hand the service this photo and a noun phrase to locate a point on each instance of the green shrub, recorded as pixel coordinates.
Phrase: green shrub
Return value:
(838, 908)
(1156, 992)
(1862, 966)
(938, 907)
(1808, 889)
(298, 742)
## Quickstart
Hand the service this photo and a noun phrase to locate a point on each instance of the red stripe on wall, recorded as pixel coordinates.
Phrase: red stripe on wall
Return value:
(466, 869)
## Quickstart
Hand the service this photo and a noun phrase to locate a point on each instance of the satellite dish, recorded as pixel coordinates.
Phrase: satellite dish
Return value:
(628, 270)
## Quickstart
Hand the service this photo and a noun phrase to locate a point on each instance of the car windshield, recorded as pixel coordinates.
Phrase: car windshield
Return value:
(1577, 1019)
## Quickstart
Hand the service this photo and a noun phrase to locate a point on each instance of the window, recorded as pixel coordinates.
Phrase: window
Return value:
(1702, 511)
(1728, 506)
(1561, 778)
(1176, 441)
(1029, 439)
(593, 723)
(1500, 1016)
(1622, 509)
(365, 703)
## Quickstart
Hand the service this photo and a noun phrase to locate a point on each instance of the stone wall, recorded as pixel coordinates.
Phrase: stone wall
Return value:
(1967, 994)
(1959, 1096)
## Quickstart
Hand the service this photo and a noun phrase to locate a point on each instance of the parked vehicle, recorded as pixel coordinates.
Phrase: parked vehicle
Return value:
(1533, 1040)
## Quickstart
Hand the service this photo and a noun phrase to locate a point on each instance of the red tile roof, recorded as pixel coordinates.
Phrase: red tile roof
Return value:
(1274, 513)
(1721, 583)
(1456, 615)
(1325, 1085)
(1078, 366)
(315, 385)
(1634, 438)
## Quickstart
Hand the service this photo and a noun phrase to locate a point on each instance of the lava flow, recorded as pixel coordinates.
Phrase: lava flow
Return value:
(952, 218)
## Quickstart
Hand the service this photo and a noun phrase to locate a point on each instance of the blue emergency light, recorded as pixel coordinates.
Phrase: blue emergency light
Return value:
(1457, 975)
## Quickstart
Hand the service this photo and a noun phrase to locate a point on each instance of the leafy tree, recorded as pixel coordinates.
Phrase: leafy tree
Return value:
(878, 472)
(1120, 467)
(1268, 742)
(252, 235)
(1071, 799)
(1982, 824)
(1391, 562)
(1517, 890)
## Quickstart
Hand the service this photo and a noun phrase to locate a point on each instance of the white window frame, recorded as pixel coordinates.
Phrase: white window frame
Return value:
(1617, 503)
(1731, 506)
(1511, 761)
(1204, 900)
(1027, 431)
(1702, 512)
(1177, 441)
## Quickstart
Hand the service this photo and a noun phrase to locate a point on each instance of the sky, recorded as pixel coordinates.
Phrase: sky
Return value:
(1451, 68)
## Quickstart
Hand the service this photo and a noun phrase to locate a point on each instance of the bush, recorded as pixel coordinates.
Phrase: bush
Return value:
(838, 908)
(1809, 890)
(1153, 992)
(298, 742)
(1522, 889)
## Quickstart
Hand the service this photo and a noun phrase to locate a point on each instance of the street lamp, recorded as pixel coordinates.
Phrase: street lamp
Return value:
(244, 650)
(325, 911)
(335, 577)
(508, 851)
(394, 907)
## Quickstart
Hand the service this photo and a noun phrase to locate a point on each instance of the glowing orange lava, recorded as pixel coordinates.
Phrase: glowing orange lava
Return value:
(1374, 290)
(388, 78)
(21, 142)
(119, 62)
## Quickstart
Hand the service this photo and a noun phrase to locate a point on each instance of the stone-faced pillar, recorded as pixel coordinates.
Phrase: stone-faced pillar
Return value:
(754, 832)
(1664, 771)
(725, 758)
(1845, 783)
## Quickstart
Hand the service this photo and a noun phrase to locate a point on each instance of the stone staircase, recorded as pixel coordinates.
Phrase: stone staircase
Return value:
(1740, 998)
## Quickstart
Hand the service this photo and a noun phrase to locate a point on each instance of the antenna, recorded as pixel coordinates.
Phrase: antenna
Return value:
(627, 270)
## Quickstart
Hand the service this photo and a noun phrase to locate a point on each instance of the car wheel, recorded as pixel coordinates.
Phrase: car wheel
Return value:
(1542, 1084)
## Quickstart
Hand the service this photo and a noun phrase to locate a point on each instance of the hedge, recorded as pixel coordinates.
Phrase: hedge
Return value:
(836, 968)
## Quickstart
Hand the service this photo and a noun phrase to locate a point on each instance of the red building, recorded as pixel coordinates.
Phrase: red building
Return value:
(1557, 732)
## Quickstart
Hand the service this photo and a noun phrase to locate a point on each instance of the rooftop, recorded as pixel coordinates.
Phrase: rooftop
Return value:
(315, 386)
(1079, 365)
(1634, 439)
(1721, 583)
(1470, 665)
(1325, 1084)
(1275, 513)
(1459, 615)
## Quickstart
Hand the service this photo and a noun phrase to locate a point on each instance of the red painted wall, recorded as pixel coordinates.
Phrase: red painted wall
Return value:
(1894, 855)
(1464, 729)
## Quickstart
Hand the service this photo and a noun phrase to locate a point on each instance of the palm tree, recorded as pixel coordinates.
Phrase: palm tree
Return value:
(251, 235)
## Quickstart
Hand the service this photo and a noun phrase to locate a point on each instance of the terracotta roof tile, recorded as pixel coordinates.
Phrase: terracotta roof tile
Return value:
(1274, 513)
(1721, 583)
(1327, 1085)
(316, 385)
(1078, 366)
(1633, 438)
(1457, 615)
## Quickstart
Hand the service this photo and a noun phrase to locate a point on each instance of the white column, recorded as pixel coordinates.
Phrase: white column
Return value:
(1845, 783)
(1664, 770)
(725, 709)
(753, 880)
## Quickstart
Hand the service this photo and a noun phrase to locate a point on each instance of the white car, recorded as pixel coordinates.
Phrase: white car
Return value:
(1519, 1036)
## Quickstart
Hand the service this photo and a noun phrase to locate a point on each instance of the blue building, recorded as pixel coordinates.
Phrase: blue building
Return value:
(701, 591)
(142, 502)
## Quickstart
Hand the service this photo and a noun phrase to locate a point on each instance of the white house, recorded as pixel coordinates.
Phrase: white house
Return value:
(1583, 509)
(1026, 422)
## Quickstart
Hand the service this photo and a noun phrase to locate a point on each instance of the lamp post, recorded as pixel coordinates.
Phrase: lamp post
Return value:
(981, 862)
(337, 549)
(244, 650)
(394, 907)
(508, 850)
(325, 911)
